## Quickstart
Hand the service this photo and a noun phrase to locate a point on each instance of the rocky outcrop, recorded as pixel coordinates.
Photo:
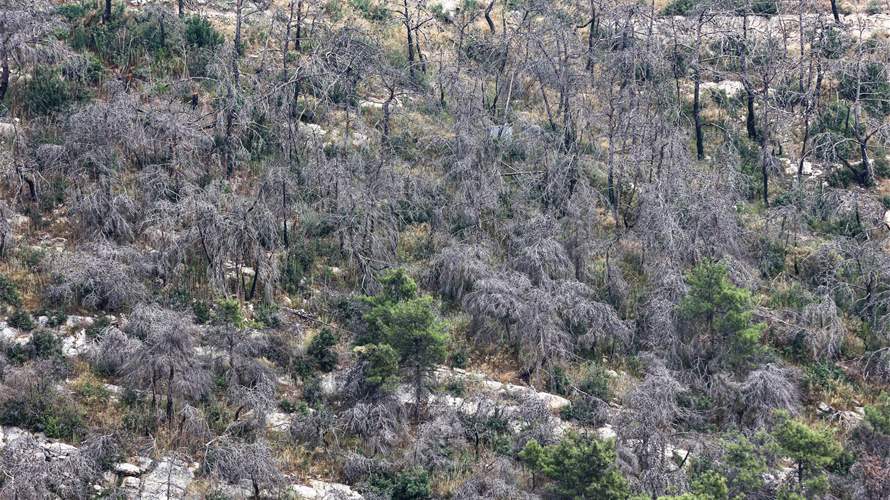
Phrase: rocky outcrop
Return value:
(444, 375)
(169, 479)
(321, 490)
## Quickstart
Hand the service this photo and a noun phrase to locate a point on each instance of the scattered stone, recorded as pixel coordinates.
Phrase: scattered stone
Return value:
(312, 130)
(278, 421)
(130, 487)
(322, 490)
(606, 432)
(58, 450)
(127, 469)
(74, 322)
(75, 345)
(731, 88)
(824, 407)
(887, 219)
(169, 480)
(328, 384)
(500, 133)
(850, 419)
(7, 132)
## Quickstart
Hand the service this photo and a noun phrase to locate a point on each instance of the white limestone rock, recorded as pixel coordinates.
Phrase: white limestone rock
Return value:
(168, 481)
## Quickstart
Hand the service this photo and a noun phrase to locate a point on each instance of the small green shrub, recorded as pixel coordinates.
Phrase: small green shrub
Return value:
(371, 10)
(579, 466)
(45, 344)
(228, 312)
(22, 320)
(46, 92)
(201, 34)
(679, 7)
(9, 292)
(412, 484)
(201, 312)
(878, 415)
(321, 351)
(98, 326)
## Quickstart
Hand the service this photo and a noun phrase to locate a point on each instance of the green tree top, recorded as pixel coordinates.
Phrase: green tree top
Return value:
(579, 466)
(721, 311)
(812, 449)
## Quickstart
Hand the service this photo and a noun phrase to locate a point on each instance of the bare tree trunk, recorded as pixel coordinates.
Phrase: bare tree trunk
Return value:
(834, 12)
(180, 4)
(591, 36)
(106, 13)
(696, 97)
(488, 16)
(228, 153)
(299, 35)
(238, 5)
(750, 123)
(170, 395)
(696, 115)
(386, 114)
(286, 45)
(4, 71)
(409, 38)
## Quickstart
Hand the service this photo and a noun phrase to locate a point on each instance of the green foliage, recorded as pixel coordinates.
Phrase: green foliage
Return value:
(407, 323)
(710, 485)
(878, 415)
(228, 312)
(371, 10)
(98, 326)
(412, 484)
(381, 364)
(414, 331)
(870, 88)
(46, 92)
(39, 408)
(22, 320)
(722, 312)
(45, 344)
(266, 316)
(812, 449)
(321, 351)
(579, 466)
(295, 265)
(201, 312)
(201, 34)
(9, 292)
(679, 7)
(744, 465)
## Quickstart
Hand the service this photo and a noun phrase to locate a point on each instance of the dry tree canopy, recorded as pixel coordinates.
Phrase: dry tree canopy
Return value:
(444, 249)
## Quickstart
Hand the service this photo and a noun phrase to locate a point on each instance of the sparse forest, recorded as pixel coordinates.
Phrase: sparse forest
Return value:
(445, 249)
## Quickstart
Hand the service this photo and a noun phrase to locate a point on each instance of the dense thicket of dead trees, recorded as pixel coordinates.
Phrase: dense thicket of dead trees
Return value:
(694, 195)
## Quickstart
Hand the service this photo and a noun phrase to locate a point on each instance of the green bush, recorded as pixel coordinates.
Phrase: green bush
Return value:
(679, 7)
(878, 415)
(45, 344)
(812, 449)
(201, 312)
(37, 406)
(412, 484)
(45, 92)
(201, 34)
(21, 319)
(370, 10)
(381, 365)
(720, 313)
(9, 292)
(321, 351)
(579, 467)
